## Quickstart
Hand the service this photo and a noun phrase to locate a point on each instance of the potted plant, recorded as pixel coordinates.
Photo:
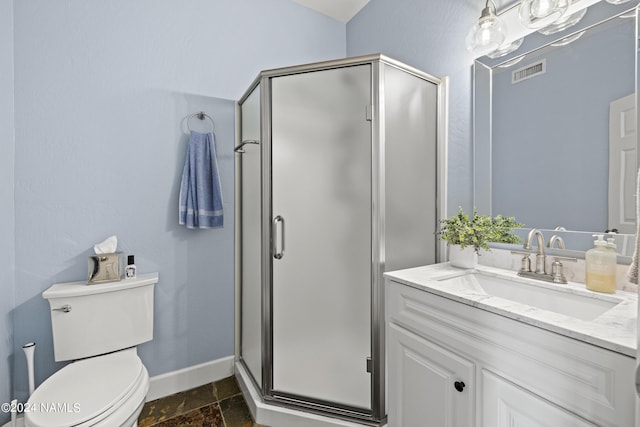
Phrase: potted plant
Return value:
(465, 236)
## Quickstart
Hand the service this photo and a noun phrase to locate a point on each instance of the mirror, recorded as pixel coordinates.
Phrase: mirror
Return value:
(554, 130)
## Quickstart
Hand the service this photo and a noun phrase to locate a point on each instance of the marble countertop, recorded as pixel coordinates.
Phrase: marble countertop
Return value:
(614, 329)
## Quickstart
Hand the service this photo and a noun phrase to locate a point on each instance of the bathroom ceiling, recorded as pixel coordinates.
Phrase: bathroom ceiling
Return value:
(344, 10)
(341, 10)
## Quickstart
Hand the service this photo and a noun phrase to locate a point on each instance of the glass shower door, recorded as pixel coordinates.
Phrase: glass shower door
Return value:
(250, 235)
(321, 235)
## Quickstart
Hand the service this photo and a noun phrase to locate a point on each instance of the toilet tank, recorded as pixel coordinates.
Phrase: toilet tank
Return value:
(89, 320)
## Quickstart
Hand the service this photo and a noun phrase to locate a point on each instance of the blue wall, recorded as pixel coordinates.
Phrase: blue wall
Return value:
(7, 235)
(429, 35)
(101, 93)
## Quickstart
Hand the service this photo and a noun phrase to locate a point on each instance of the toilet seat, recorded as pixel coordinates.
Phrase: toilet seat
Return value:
(90, 392)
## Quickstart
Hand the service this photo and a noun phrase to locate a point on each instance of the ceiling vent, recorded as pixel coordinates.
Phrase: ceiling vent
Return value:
(529, 71)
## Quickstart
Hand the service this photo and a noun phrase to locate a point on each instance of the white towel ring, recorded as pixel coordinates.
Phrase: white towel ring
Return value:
(201, 115)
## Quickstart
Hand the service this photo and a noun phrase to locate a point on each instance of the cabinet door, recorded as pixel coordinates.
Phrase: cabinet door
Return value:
(507, 405)
(429, 386)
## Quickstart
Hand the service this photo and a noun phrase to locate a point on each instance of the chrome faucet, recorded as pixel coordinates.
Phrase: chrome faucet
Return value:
(557, 275)
(541, 258)
(555, 239)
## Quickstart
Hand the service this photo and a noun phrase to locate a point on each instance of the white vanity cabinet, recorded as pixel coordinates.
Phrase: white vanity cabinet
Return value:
(505, 404)
(428, 384)
(452, 364)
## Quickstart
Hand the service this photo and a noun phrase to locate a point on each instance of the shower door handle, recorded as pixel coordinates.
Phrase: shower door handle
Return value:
(239, 148)
(278, 253)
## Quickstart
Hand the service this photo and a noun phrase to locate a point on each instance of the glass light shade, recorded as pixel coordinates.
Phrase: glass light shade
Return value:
(565, 41)
(540, 13)
(564, 22)
(617, 1)
(511, 62)
(486, 35)
(506, 49)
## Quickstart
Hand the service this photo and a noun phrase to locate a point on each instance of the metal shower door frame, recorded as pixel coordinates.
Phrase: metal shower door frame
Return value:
(269, 394)
(377, 413)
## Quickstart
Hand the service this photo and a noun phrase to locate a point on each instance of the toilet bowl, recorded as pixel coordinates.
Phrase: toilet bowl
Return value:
(100, 391)
(97, 327)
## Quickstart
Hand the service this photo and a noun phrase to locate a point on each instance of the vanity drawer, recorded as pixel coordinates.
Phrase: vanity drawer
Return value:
(590, 381)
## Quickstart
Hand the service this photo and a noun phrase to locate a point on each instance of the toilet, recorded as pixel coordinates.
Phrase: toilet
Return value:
(97, 327)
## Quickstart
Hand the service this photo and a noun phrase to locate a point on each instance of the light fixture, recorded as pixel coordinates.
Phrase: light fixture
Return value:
(570, 39)
(564, 22)
(540, 13)
(511, 62)
(617, 1)
(487, 34)
(505, 49)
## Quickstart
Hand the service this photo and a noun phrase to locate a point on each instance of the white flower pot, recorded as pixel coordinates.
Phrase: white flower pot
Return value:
(463, 258)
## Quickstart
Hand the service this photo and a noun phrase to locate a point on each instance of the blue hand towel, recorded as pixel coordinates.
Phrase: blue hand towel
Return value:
(200, 192)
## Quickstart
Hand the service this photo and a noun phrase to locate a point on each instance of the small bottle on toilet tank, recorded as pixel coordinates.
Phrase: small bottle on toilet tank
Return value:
(130, 271)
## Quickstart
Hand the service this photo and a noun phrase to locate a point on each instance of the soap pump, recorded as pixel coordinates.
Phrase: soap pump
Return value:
(600, 264)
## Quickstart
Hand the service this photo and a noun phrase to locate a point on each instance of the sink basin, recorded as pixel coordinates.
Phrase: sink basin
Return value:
(556, 298)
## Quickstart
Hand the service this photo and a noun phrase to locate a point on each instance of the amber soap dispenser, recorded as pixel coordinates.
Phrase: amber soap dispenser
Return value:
(600, 264)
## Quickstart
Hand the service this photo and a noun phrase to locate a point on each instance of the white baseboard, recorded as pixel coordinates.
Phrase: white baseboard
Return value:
(191, 377)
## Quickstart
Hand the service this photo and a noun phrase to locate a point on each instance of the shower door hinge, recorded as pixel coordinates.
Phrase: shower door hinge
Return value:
(368, 113)
(369, 365)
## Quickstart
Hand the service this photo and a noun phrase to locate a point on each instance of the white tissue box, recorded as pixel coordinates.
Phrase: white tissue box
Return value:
(105, 268)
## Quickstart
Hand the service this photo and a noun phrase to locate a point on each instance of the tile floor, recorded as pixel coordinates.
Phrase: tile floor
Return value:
(219, 404)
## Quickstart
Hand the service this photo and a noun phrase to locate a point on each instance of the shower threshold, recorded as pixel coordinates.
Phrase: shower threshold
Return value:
(280, 416)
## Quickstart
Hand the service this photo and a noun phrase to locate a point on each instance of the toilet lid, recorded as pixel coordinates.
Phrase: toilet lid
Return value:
(83, 390)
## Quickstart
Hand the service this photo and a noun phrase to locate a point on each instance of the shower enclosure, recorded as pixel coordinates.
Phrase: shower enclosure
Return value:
(336, 183)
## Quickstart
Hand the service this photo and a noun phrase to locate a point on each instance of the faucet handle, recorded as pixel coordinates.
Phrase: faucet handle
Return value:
(557, 274)
(525, 262)
(564, 258)
(523, 253)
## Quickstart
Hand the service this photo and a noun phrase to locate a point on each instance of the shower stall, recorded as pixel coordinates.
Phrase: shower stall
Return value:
(337, 181)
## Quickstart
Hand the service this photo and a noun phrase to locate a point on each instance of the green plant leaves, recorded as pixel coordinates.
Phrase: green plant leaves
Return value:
(478, 230)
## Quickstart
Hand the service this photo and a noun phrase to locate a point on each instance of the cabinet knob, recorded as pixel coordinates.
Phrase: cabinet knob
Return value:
(459, 385)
